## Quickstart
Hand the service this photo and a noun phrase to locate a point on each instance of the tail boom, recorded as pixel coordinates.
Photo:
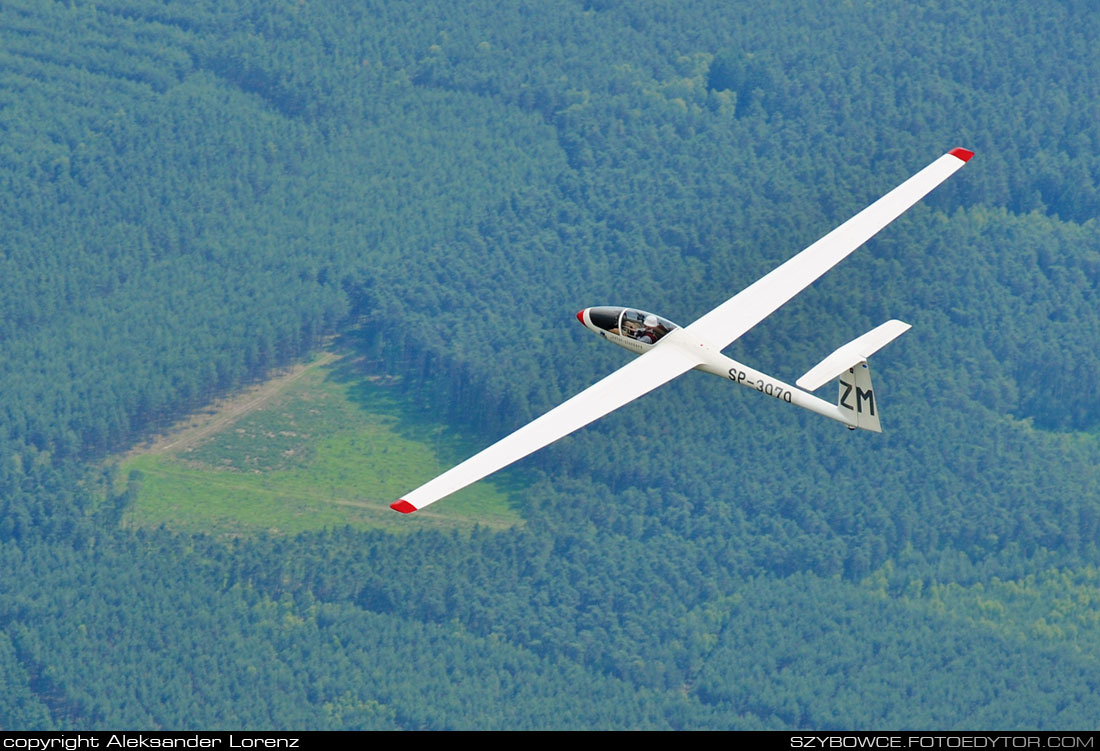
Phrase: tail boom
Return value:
(730, 369)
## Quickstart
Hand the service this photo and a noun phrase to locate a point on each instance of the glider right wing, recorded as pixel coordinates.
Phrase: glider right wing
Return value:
(726, 323)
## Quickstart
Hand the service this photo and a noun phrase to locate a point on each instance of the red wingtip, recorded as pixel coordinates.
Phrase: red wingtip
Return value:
(963, 154)
(403, 506)
(580, 317)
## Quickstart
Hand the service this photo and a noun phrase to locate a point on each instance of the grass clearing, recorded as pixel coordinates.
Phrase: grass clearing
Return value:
(325, 445)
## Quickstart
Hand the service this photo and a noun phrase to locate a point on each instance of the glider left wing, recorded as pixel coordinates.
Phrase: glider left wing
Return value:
(638, 377)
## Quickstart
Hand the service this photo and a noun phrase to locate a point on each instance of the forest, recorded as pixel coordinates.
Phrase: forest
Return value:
(195, 194)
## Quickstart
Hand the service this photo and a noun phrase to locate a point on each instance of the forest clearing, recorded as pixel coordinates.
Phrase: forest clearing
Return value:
(323, 444)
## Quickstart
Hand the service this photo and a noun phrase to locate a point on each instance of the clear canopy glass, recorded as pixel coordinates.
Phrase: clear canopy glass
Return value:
(631, 323)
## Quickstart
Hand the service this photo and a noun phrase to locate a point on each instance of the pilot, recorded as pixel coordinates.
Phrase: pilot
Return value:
(653, 330)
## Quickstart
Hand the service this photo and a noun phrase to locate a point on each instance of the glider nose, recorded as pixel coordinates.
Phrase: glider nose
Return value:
(580, 316)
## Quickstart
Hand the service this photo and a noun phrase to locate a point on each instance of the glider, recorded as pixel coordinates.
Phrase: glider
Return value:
(666, 350)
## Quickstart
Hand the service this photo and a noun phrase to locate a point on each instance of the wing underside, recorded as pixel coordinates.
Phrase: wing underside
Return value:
(638, 377)
(730, 320)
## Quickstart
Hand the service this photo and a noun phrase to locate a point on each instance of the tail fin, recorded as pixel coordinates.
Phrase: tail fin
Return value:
(857, 398)
(849, 363)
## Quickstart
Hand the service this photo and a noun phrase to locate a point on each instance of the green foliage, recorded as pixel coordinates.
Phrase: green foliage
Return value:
(195, 193)
(20, 706)
(867, 672)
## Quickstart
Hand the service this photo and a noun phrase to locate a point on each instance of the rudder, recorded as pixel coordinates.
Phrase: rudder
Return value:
(857, 398)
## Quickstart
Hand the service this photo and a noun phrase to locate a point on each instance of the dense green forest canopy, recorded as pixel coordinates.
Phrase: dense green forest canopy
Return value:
(195, 193)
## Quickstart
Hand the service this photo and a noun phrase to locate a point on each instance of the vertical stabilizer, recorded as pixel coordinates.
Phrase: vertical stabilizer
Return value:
(857, 398)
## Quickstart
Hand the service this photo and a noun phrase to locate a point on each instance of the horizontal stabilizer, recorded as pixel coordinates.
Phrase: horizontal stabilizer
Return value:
(852, 353)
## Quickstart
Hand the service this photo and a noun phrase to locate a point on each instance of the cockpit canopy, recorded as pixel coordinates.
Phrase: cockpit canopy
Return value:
(631, 323)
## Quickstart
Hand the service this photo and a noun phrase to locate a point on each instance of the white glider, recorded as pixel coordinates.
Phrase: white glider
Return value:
(667, 350)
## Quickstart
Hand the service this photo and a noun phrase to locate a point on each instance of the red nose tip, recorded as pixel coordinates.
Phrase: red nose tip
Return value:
(580, 317)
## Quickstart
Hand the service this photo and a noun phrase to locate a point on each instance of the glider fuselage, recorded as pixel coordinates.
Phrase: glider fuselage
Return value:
(666, 351)
(639, 332)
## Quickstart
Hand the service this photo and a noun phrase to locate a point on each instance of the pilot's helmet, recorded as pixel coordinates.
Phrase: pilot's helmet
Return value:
(651, 321)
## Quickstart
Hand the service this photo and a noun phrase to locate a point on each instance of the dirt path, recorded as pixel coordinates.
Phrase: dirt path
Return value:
(222, 413)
